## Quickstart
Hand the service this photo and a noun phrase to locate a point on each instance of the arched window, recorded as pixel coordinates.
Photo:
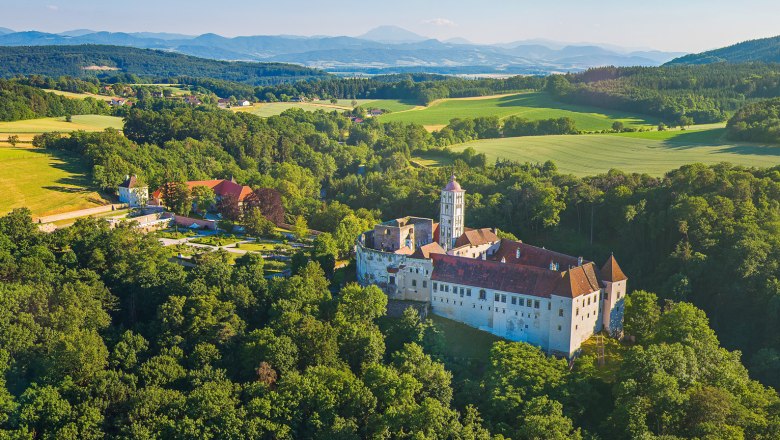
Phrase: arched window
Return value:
(482, 294)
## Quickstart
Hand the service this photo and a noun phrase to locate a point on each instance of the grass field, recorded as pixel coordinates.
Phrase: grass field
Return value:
(79, 122)
(394, 105)
(79, 95)
(532, 105)
(45, 183)
(650, 152)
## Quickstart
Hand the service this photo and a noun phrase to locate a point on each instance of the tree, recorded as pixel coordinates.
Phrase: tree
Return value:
(13, 140)
(203, 197)
(228, 207)
(618, 126)
(256, 225)
(270, 203)
(176, 196)
(641, 315)
(300, 228)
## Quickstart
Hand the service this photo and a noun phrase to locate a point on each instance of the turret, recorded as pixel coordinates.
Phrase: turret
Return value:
(614, 296)
(451, 214)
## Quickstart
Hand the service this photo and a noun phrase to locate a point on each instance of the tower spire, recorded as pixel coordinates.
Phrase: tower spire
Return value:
(451, 213)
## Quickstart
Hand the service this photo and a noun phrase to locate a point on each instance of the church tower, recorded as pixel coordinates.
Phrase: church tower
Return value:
(451, 214)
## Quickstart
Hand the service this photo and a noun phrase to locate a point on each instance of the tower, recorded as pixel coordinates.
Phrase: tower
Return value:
(613, 297)
(451, 214)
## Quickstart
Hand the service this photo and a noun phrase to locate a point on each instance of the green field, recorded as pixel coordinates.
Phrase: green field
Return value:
(650, 152)
(45, 183)
(394, 105)
(79, 95)
(535, 105)
(79, 122)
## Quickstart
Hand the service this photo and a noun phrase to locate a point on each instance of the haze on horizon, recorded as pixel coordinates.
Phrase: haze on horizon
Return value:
(693, 25)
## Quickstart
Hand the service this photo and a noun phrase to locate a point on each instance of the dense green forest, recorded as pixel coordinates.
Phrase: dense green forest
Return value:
(766, 50)
(58, 61)
(102, 337)
(18, 101)
(758, 122)
(687, 94)
(703, 234)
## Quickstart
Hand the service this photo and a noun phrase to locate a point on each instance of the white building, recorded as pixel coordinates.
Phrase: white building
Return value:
(511, 289)
(132, 193)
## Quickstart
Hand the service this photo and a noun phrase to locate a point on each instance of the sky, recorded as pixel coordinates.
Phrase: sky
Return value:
(672, 25)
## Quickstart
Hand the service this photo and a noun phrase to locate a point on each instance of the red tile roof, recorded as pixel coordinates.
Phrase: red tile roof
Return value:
(130, 182)
(221, 188)
(533, 256)
(611, 271)
(426, 250)
(476, 237)
(515, 278)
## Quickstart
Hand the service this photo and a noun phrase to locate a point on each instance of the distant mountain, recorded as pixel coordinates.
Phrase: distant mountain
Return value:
(765, 50)
(458, 40)
(4, 31)
(387, 49)
(90, 60)
(392, 34)
(76, 32)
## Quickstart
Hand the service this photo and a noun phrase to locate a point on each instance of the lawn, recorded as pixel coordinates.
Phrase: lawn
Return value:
(216, 240)
(653, 153)
(530, 105)
(394, 105)
(260, 246)
(463, 341)
(79, 122)
(45, 183)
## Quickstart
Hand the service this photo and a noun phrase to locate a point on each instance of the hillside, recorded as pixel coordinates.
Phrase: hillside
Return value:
(766, 50)
(386, 49)
(91, 60)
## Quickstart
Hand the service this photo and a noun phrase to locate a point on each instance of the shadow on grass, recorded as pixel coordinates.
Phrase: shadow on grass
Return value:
(717, 138)
(78, 179)
(542, 100)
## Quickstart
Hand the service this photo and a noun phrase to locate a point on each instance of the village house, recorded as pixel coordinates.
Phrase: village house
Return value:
(133, 193)
(509, 288)
(221, 188)
(118, 102)
(192, 100)
(223, 103)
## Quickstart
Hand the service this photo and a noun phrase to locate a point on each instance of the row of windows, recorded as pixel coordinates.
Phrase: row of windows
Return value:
(483, 295)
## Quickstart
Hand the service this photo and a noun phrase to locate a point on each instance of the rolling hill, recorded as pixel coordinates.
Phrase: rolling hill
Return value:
(389, 48)
(766, 50)
(89, 60)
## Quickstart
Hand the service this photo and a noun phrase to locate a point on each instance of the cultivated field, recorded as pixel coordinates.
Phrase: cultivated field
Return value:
(266, 109)
(532, 105)
(651, 152)
(394, 105)
(45, 183)
(79, 122)
(79, 95)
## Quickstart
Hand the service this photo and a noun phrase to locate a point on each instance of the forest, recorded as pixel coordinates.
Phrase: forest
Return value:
(18, 101)
(757, 122)
(702, 234)
(688, 94)
(58, 61)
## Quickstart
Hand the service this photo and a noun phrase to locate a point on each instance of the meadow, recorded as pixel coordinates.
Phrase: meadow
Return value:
(45, 183)
(653, 153)
(530, 105)
(78, 122)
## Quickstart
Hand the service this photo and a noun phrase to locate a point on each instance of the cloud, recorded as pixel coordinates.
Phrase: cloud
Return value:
(53, 7)
(440, 22)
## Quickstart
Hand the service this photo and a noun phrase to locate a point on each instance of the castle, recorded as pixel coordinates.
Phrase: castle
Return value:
(509, 288)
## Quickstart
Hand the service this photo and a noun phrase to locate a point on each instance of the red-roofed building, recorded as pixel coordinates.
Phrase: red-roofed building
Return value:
(512, 289)
(221, 188)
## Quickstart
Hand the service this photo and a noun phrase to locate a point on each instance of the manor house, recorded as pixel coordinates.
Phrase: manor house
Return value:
(509, 288)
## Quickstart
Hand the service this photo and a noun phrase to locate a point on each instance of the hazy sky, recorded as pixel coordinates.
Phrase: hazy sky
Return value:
(683, 25)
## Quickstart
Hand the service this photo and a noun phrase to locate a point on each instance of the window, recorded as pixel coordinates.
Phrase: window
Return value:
(468, 292)
(528, 303)
(482, 294)
(549, 305)
(425, 284)
(577, 312)
(414, 283)
(559, 328)
(503, 298)
(495, 297)
(560, 313)
(514, 300)
(536, 304)
(435, 287)
(474, 306)
(392, 280)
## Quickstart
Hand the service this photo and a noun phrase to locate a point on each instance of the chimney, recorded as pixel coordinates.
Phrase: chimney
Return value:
(484, 256)
(517, 253)
(579, 261)
(552, 265)
(503, 259)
